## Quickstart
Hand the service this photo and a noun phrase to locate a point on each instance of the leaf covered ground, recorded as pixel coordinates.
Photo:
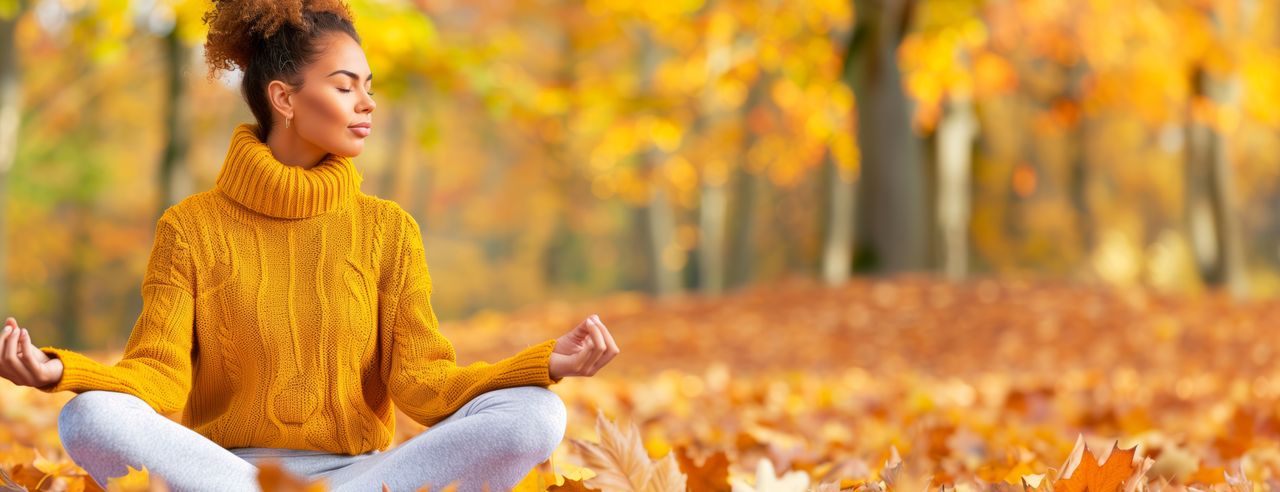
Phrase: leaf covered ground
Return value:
(908, 383)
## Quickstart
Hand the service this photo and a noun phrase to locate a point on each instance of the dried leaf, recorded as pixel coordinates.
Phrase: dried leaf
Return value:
(572, 486)
(136, 481)
(1088, 475)
(711, 476)
(767, 481)
(621, 462)
(273, 476)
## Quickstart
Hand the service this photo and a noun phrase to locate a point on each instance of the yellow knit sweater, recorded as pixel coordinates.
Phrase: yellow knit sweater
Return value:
(285, 308)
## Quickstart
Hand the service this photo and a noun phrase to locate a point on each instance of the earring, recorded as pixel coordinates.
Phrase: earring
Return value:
(286, 122)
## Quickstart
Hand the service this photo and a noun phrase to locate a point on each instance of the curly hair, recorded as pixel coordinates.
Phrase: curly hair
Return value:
(270, 40)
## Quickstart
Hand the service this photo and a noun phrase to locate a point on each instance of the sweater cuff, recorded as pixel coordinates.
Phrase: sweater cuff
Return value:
(79, 372)
(531, 366)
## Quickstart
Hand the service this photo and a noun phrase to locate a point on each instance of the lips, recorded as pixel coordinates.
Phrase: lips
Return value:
(361, 129)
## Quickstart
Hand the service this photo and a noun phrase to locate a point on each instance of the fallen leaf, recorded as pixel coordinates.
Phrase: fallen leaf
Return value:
(1086, 474)
(136, 481)
(572, 486)
(767, 481)
(272, 476)
(621, 462)
(711, 476)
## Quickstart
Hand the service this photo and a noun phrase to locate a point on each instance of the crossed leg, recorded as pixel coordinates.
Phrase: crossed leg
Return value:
(493, 440)
(103, 431)
(496, 438)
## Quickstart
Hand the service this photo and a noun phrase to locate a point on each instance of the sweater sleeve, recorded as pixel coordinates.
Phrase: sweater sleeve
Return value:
(419, 366)
(156, 365)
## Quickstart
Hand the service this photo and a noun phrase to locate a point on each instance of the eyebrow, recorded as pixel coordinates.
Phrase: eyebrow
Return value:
(350, 74)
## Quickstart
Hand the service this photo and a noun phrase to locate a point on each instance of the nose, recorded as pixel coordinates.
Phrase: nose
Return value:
(368, 104)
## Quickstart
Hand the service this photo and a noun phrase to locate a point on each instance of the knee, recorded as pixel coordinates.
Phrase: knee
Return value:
(541, 424)
(552, 417)
(90, 416)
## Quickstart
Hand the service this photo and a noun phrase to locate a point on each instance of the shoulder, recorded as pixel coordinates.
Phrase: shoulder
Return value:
(397, 240)
(184, 215)
(392, 222)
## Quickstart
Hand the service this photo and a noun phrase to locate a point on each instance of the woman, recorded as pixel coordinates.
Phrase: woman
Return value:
(285, 312)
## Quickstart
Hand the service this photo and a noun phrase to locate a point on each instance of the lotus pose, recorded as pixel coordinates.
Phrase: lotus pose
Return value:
(286, 313)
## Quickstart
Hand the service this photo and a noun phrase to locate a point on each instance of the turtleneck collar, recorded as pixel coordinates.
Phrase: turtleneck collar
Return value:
(253, 177)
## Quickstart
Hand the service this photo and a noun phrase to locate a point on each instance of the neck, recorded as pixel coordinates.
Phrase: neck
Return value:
(254, 176)
(291, 150)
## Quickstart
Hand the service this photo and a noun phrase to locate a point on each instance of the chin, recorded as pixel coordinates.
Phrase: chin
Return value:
(349, 151)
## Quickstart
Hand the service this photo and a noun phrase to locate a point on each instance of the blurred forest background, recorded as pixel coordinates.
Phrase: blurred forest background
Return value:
(564, 149)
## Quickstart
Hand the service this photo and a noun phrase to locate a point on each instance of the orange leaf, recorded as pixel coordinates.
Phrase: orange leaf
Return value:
(1091, 476)
(271, 476)
(712, 476)
(1208, 475)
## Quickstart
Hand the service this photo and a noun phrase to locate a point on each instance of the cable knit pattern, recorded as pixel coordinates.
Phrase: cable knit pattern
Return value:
(285, 308)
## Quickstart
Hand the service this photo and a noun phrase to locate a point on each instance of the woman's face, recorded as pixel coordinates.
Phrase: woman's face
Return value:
(336, 97)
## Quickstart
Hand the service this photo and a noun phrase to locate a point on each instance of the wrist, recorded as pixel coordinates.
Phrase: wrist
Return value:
(55, 372)
(554, 369)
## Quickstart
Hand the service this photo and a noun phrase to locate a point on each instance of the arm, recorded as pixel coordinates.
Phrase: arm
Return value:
(419, 363)
(156, 365)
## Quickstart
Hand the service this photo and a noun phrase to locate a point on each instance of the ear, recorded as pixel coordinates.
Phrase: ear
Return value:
(279, 95)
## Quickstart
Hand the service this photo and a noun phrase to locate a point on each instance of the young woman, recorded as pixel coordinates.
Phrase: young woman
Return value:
(285, 312)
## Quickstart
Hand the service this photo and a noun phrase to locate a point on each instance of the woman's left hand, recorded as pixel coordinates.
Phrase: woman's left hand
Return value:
(584, 350)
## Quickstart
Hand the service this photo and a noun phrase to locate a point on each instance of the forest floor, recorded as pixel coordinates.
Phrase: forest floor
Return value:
(902, 383)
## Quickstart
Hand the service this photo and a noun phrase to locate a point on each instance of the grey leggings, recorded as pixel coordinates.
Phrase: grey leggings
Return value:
(497, 437)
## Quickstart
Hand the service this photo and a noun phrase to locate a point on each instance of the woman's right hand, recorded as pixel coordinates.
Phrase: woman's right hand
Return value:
(24, 363)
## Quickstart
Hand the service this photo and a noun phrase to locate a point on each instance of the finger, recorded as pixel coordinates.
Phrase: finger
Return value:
(29, 353)
(598, 348)
(582, 332)
(14, 345)
(7, 345)
(17, 332)
(9, 352)
(4, 338)
(613, 349)
(584, 358)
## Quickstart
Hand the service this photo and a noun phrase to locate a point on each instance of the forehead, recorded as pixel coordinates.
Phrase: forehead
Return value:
(339, 52)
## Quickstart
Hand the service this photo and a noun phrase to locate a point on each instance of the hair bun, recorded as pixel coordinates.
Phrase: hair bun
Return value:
(237, 27)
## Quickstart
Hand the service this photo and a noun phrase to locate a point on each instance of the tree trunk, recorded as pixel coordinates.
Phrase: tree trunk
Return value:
(743, 214)
(661, 214)
(1198, 211)
(1213, 226)
(838, 248)
(955, 137)
(712, 216)
(894, 195)
(1222, 197)
(662, 239)
(714, 202)
(839, 242)
(634, 243)
(564, 258)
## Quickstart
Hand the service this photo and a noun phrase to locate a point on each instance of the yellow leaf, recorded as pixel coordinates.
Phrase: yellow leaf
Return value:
(136, 481)
(570, 471)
